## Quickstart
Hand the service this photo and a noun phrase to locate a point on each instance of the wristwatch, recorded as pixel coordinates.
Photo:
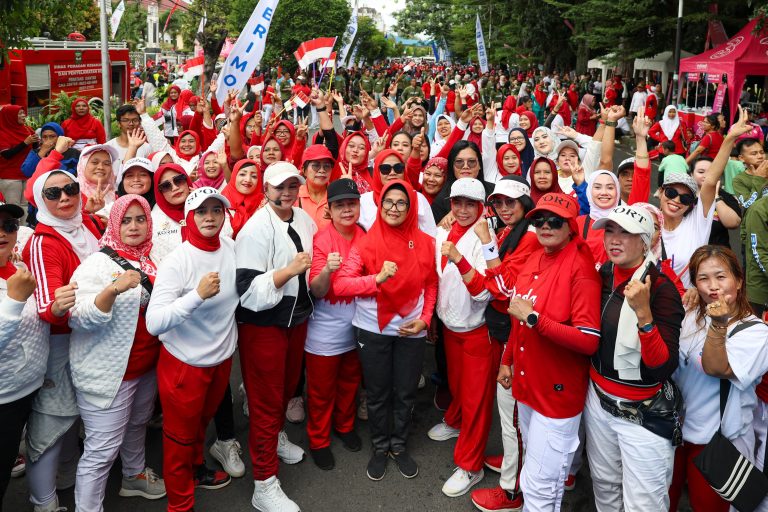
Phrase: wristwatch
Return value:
(645, 329)
(532, 319)
(612, 123)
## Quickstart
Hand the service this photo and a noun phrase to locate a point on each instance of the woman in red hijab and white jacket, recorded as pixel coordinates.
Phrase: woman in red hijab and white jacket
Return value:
(63, 239)
(192, 310)
(113, 357)
(391, 274)
(555, 309)
(473, 358)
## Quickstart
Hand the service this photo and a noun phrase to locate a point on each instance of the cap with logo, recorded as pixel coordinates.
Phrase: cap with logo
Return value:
(562, 205)
(278, 172)
(343, 188)
(511, 186)
(199, 195)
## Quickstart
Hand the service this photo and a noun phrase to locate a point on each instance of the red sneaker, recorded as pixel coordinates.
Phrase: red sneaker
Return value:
(495, 499)
(493, 462)
(570, 483)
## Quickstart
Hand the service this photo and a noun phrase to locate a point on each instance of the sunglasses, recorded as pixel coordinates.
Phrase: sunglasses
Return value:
(686, 199)
(499, 202)
(389, 168)
(10, 225)
(554, 222)
(177, 180)
(54, 193)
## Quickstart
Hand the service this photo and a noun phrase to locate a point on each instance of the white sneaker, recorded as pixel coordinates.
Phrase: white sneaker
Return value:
(245, 400)
(287, 451)
(461, 481)
(228, 455)
(443, 432)
(52, 506)
(146, 484)
(268, 496)
(295, 410)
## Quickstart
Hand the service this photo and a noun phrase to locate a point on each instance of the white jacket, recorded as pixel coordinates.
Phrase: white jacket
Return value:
(460, 311)
(23, 347)
(100, 343)
(166, 234)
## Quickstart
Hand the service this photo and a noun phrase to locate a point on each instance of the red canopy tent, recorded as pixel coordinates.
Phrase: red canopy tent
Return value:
(743, 54)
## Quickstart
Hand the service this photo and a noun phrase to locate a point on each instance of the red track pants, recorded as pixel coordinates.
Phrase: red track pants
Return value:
(270, 358)
(473, 364)
(332, 383)
(190, 396)
(701, 496)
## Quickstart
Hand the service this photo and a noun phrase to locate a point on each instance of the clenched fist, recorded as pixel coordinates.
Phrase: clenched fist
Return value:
(209, 286)
(21, 285)
(64, 299)
(126, 281)
(300, 264)
(388, 269)
(333, 263)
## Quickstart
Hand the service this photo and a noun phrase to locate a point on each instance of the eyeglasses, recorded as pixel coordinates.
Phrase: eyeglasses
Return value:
(167, 185)
(465, 163)
(400, 205)
(282, 132)
(386, 169)
(501, 202)
(554, 222)
(54, 193)
(513, 140)
(10, 225)
(133, 120)
(686, 199)
(316, 166)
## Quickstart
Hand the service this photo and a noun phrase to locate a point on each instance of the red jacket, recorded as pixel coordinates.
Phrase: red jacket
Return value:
(679, 138)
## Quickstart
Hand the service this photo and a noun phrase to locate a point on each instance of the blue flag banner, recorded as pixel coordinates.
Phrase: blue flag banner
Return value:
(482, 56)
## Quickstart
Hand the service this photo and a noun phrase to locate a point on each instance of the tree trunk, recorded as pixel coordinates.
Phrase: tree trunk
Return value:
(582, 50)
(212, 49)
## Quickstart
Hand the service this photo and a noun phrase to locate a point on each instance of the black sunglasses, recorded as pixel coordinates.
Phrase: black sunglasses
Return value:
(177, 180)
(554, 222)
(686, 199)
(54, 193)
(10, 225)
(388, 168)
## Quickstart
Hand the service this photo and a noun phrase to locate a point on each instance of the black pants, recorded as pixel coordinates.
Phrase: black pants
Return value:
(225, 418)
(14, 416)
(391, 368)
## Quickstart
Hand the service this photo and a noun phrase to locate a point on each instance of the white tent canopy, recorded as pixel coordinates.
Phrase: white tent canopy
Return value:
(601, 63)
(663, 63)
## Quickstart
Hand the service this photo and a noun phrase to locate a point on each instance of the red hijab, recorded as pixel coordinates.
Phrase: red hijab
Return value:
(244, 121)
(174, 211)
(82, 127)
(536, 193)
(500, 159)
(11, 132)
(168, 103)
(407, 246)
(509, 108)
(565, 108)
(177, 146)
(244, 205)
(291, 138)
(377, 184)
(360, 173)
(534, 122)
(457, 231)
(190, 233)
(283, 155)
(112, 238)
(477, 138)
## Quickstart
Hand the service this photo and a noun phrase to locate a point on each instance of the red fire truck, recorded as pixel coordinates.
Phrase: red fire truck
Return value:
(36, 74)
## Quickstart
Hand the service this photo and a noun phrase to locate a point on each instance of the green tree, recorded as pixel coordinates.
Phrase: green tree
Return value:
(133, 25)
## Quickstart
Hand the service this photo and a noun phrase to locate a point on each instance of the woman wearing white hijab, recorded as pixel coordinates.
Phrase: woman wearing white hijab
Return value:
(442, 132)
(545, 142)
(670, 128)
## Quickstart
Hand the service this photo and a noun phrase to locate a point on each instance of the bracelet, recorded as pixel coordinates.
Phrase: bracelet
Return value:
(321, 109)
(490, 251)
(464, 266)
(612, 124)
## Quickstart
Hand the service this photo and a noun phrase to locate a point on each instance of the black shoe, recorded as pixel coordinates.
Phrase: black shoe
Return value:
(377, 466)
(323, 458)
(407, 466)
(350, 440)
(206, 478)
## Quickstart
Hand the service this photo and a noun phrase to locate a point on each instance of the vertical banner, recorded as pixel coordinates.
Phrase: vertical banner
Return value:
(434, 51)
(200, 36)
(717, 105)
(351, 32)
(246, 53)
(482, 56)
(114, 21)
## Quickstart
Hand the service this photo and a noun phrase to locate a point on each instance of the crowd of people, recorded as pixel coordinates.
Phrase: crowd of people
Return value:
(485, 215)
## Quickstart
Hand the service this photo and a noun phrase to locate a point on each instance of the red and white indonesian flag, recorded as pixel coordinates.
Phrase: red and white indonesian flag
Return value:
(193, 67)
(330, 62)
(301, 100)
(316, 49)
(258, 83)
(409, 66)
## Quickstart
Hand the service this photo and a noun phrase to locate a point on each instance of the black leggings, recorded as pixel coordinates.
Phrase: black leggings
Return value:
(14, 416)
(225, 418)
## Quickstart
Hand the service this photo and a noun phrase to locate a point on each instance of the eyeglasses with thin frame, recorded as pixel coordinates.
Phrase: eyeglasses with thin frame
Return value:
(282, 132)
(132, 120)
(168, 185)
(398, 205)
(470, 163)
(316, 166)
(513, 140)
(54, 193)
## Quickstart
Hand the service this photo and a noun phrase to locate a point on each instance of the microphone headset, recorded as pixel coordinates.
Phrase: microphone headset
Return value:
(277, 202)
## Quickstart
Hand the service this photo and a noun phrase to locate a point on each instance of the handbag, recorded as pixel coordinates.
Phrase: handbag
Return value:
(727, 471)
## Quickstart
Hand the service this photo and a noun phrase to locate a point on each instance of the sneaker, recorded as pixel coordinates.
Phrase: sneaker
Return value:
(362, 408)
(350, 440)
(146, 484)
(570, 483)
(443, 398)
(287, 451)
(19, 467)
(496, 499)
(493, 462)
(295, 412)
(241, 389)
(461, 481)
(323, 458)
(422, 382)
(51, 506)
(228, 455)
(443, 432)
(405, 464)
(377, 466)
(268, 496)
(206, 478)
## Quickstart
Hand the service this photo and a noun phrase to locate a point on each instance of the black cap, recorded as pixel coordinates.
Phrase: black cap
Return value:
(14, 210)
(343, 188)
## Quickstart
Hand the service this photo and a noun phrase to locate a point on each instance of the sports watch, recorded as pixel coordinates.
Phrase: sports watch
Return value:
(532, 319)
(645, 329)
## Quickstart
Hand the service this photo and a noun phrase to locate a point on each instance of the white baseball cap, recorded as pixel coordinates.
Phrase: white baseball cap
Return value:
(514, 189)
(568, 143)
(633, 219)
(278, 172)
(199, 195)
(470, 188)
(138, 161)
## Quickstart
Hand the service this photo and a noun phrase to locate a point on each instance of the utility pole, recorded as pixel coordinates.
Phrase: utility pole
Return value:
(106, 76)
(678, 45)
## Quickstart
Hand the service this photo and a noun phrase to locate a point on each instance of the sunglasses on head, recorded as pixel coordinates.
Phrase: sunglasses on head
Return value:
(554, 221)
(687, 199)
(389, 168)
(10, 225)
(54, 193)
(167, 185)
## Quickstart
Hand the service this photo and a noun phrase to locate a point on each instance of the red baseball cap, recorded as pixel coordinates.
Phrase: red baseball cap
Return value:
(316, 152)
(562, 205)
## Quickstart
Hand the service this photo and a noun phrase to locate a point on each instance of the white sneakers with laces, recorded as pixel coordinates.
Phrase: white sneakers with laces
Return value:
(443, 432)
(268, 496)
(287, 451)
(461, 481)
(227, 453)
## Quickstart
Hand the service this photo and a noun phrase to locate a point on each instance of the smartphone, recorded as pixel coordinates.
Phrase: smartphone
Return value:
(646, 271)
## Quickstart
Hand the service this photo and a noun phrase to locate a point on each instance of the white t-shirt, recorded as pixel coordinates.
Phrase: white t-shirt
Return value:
(329, 329)
(692, 233)
(638, 100)
(144, 151)
(369, 210)
(748, 357)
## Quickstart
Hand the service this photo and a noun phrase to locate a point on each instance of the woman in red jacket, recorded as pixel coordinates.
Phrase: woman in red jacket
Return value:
(671, 128)
(16, 139)
(555, 308)
(82, 127)
(586, 117)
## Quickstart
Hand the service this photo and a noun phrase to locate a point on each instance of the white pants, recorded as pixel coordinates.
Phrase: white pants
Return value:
(631, 466)
(760, 427)
(122, 427)
(578, 457)
(510, 439)
(549, 447)
(41, 475)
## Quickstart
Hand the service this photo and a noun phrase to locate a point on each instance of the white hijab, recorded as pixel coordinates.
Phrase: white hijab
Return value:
(439, 141)
(670, 126)
(555, 142)
(83, 242)
(595, 212)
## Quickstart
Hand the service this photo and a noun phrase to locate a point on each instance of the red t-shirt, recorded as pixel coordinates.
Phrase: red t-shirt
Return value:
(711, 143)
